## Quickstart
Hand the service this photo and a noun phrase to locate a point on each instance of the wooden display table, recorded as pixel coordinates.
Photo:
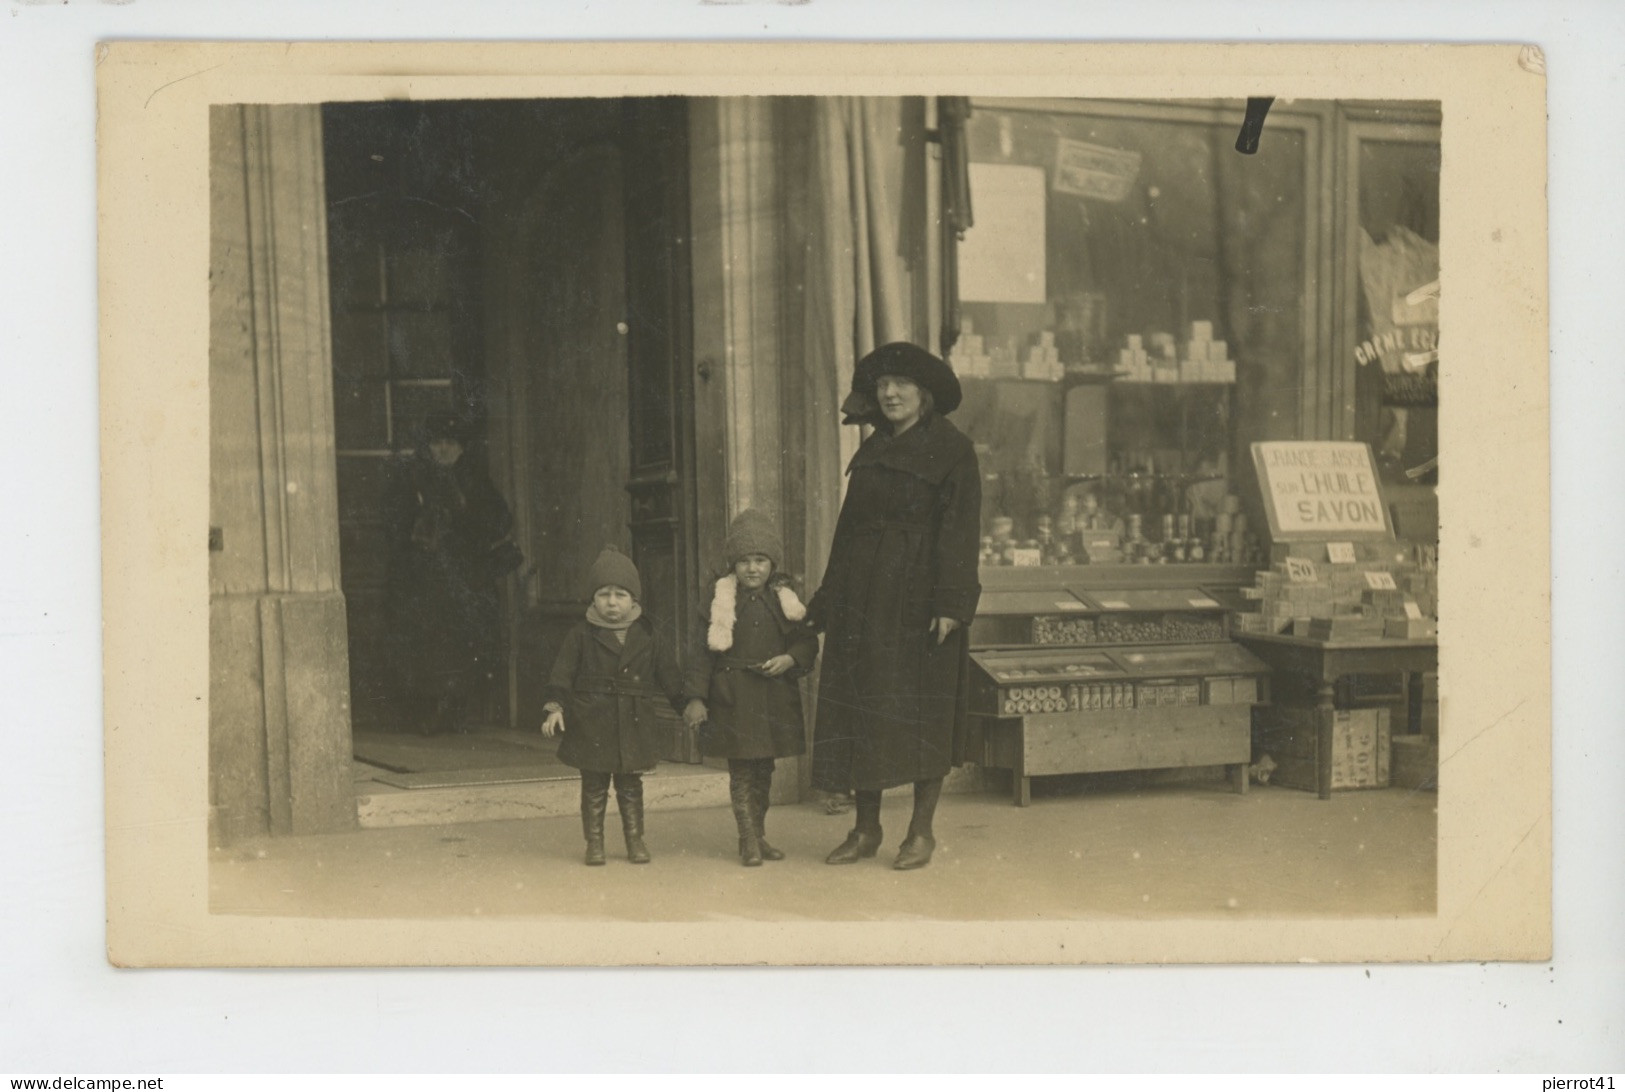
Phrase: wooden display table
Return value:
(1098, 668)
(1325, 662)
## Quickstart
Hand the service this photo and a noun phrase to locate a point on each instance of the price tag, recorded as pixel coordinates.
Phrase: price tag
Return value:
(1412, 611)
(1069, 604)
(1252, 593)
(1381, 582)
(1026, 558)
(1340, 553)
(1114, 604)
(1204, 602)
(1300, 570)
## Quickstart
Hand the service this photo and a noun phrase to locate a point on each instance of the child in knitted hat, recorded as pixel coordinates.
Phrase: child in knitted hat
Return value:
(754, 645)
(609, 674)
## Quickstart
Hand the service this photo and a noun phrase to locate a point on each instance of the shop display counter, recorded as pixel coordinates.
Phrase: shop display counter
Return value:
(1080, 670)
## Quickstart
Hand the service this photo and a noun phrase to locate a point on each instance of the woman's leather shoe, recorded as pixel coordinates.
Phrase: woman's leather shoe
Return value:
(915, 852)
(858, 845)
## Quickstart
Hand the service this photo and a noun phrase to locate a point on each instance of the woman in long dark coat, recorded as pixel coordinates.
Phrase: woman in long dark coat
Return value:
(898, 595)
(449, 526)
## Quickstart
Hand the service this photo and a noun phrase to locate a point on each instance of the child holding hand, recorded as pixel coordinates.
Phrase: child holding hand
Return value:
(753, 647)
(612, 670)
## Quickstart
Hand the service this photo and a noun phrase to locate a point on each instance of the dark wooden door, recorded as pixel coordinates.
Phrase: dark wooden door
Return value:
(661, 394)
(404, 287)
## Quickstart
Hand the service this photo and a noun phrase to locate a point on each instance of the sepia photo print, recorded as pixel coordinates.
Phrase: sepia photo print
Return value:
(779, 509)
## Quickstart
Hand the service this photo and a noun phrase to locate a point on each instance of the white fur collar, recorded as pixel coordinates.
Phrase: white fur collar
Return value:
(725, 610)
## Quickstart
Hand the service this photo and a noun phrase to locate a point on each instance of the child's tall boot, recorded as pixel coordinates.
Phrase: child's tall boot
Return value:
(761, 793)
(629, 797)
(594, 803)
(742, 795)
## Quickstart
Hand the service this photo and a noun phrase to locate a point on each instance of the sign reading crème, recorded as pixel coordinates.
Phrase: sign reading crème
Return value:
(1320, 489)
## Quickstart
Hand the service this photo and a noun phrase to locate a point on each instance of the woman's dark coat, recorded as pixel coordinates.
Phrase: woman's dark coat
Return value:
(891, 701)
(442, 588)
(611, 695)
(751, 715)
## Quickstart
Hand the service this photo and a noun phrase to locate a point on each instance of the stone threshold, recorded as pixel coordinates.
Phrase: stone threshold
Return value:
(670, 787)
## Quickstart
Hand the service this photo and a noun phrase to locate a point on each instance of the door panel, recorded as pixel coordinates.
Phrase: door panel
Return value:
(659, 346)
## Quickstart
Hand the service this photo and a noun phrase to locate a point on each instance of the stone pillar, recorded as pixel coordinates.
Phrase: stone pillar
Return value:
(279, 687)
(737, 245)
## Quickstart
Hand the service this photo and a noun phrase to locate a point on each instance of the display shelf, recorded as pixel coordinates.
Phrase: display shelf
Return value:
(1183, 479)
(1076, 690)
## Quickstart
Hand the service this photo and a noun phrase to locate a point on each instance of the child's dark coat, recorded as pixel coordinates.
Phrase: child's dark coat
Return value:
(751, 715)
(610, 694)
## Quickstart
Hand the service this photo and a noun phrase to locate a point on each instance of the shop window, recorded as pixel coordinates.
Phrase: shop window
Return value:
(1135, 300)
(1393, 199)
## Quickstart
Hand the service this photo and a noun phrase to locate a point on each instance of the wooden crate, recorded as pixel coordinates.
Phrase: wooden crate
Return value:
(1361, 747)
(1416, 763)
(1126, 739)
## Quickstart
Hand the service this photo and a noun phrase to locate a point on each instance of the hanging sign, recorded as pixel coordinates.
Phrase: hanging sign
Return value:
(1092, 170)
(1321, 489)
(1340, 553)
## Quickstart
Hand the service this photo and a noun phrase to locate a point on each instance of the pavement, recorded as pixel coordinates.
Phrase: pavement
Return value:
(1076, 853)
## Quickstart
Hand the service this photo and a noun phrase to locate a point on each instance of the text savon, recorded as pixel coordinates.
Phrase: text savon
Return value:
(1322, 487)
(1333, 496)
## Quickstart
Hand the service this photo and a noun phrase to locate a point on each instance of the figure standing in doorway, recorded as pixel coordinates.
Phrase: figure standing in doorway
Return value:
(898, 596)
(452, 547)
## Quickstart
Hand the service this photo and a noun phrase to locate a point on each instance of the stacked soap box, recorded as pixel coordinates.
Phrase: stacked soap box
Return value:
(972, 357)
(1163, 359)
(969, 357)
(1308, 595)
(1043, 360)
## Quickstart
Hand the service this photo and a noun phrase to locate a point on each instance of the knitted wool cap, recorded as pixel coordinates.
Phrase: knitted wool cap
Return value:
(614, 568)
(752, 532)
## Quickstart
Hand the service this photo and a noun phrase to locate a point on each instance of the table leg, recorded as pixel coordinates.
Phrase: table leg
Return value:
(1020, 784)
(1325, 717)
(1238, 777)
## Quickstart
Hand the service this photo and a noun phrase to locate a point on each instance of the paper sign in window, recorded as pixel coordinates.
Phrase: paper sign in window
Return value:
(1092, 170)
(1002, 257)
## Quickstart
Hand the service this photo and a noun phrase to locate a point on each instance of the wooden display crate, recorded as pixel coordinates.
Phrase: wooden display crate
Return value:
(1416, 763)
(1361, 747)
(1127, 739)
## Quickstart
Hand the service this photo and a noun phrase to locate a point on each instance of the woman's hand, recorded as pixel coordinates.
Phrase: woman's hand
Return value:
(942, 627)
(553, 723)
(777, 666)
(695, 713)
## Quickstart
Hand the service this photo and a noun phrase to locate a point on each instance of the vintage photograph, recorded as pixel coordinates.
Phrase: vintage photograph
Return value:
(791, 508)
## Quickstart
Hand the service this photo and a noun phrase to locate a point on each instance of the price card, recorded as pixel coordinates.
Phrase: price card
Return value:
(1026, 558)
(1300, 570)
(1204, 602)
(1381, 582)
(1069, 604)
(1340, 553)
(1114, 604)
(1412, 611)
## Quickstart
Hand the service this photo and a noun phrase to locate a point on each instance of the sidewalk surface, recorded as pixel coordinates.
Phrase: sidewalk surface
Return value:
(1185, 850)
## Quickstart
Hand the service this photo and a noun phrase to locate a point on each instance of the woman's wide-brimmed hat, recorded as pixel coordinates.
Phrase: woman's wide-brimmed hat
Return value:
(446, 426)
(908, 360)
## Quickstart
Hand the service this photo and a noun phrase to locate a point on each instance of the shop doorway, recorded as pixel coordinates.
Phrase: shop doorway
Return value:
(522, 266)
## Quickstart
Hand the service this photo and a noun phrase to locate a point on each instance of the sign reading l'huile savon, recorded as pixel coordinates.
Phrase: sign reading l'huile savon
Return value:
(1321, 489)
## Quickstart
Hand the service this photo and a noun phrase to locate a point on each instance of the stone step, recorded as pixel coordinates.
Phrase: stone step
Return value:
(670, 787)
